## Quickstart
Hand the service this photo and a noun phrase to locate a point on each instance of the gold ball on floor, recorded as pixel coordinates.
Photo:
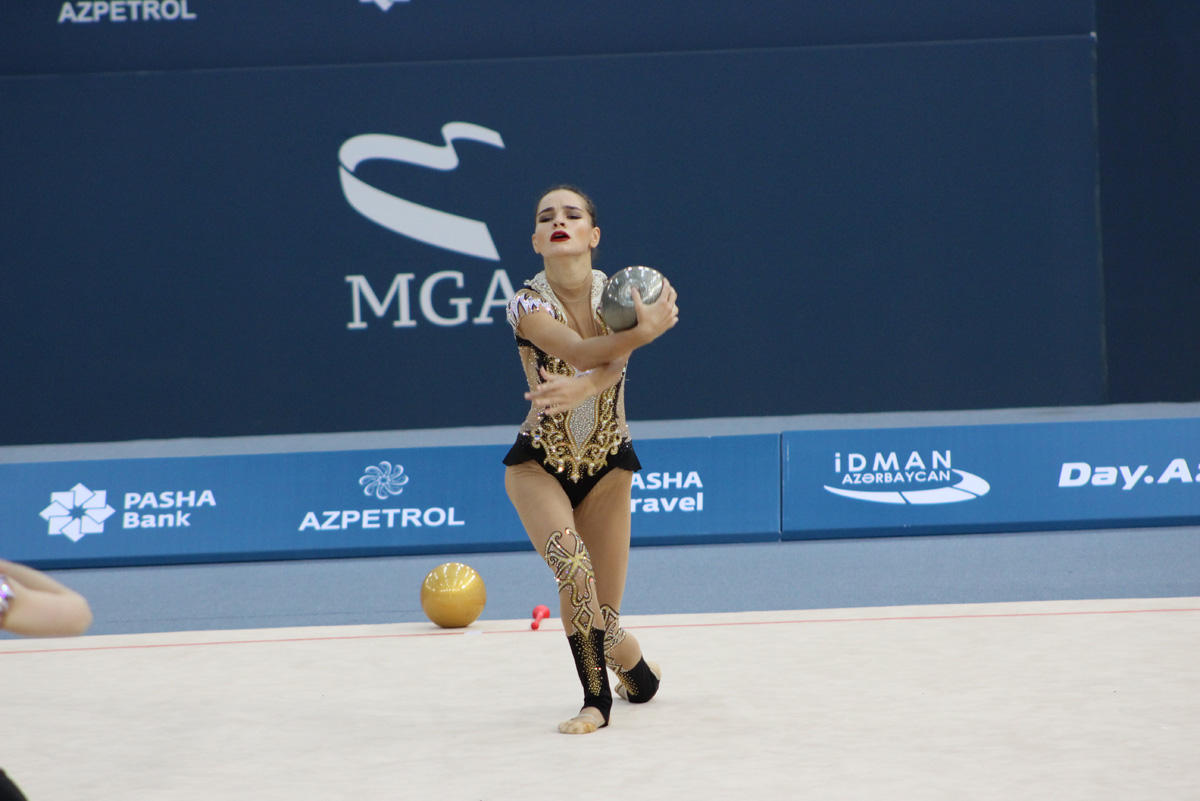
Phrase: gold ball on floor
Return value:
(453, 595)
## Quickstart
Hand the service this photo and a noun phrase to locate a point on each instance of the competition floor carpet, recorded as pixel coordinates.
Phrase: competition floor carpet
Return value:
(1085, 700)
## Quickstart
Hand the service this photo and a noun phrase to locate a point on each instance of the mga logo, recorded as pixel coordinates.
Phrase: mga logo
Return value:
(921, 479)
(431, 226)
(434, 227)
(77, 512)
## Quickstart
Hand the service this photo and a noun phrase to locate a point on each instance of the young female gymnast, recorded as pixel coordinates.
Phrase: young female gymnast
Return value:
(570, 472)
(34, 604)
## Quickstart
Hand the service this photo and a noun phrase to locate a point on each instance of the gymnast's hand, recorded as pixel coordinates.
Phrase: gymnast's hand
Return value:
(655, 319)
(560, 393)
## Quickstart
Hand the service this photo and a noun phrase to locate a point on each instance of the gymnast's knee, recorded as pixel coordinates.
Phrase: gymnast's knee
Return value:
(571, 564)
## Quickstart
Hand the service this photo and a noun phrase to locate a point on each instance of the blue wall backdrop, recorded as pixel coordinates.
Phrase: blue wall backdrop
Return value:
(908, 192)
(1149, 68)
(903, 225)
(227, 221)
(54, 36)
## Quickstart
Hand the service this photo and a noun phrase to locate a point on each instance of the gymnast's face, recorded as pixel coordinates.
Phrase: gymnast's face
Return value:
(563, 226)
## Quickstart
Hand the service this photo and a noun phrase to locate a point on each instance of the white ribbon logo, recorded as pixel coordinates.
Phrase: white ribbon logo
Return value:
(438, 228)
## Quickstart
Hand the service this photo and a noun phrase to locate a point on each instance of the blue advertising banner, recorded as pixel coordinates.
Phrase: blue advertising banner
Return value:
(57, 36)
(135, 511)
(355, 503)
(240, 252)
(707, 489)
(879, 482)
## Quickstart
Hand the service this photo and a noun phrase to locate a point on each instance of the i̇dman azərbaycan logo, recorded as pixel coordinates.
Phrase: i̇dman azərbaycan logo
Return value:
(382, 482)
(896, 477)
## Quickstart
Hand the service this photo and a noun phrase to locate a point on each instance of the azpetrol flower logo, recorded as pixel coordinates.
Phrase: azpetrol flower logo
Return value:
(77, 512)
(384, 4)
(383, 480)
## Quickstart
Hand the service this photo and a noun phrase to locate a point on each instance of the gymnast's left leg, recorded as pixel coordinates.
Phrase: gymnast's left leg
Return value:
(548, 520)
(604, 523)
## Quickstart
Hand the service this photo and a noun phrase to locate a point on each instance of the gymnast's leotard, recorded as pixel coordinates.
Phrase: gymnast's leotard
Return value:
(577, 447)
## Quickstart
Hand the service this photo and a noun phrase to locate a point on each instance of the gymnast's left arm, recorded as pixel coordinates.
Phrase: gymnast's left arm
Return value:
(36, 605)
(560, 393)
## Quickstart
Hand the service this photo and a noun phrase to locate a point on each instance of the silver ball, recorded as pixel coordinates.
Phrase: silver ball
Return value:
(616, 305)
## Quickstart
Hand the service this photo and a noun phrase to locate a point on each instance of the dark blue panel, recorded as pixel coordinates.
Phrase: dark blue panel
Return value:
(43, 36)
(850, 229)
(1149, 69)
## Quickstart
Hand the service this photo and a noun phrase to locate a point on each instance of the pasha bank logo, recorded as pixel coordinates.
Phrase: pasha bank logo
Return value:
(77, 512)
(919, 478)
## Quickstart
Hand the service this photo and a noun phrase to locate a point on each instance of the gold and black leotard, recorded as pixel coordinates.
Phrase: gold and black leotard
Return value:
(579, 446)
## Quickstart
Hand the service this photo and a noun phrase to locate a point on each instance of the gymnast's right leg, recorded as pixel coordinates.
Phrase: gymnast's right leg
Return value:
(549, 521)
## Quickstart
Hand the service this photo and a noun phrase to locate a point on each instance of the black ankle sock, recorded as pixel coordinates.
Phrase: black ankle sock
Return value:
(588, 650)
(640, 682)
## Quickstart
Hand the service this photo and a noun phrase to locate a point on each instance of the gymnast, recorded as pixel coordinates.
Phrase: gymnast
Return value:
(570, 472)
(34, 604)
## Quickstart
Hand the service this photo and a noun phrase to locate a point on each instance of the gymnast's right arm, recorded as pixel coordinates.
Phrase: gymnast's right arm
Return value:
(33, 604)
(654, 319)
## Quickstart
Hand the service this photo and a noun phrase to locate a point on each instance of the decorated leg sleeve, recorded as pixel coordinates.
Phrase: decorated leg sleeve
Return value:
(588, 650)
(572, 567)
(638, 684)
(614, 635)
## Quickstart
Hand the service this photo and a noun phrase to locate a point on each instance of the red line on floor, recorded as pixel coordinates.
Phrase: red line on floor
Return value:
(913, 617)
(713, 624)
